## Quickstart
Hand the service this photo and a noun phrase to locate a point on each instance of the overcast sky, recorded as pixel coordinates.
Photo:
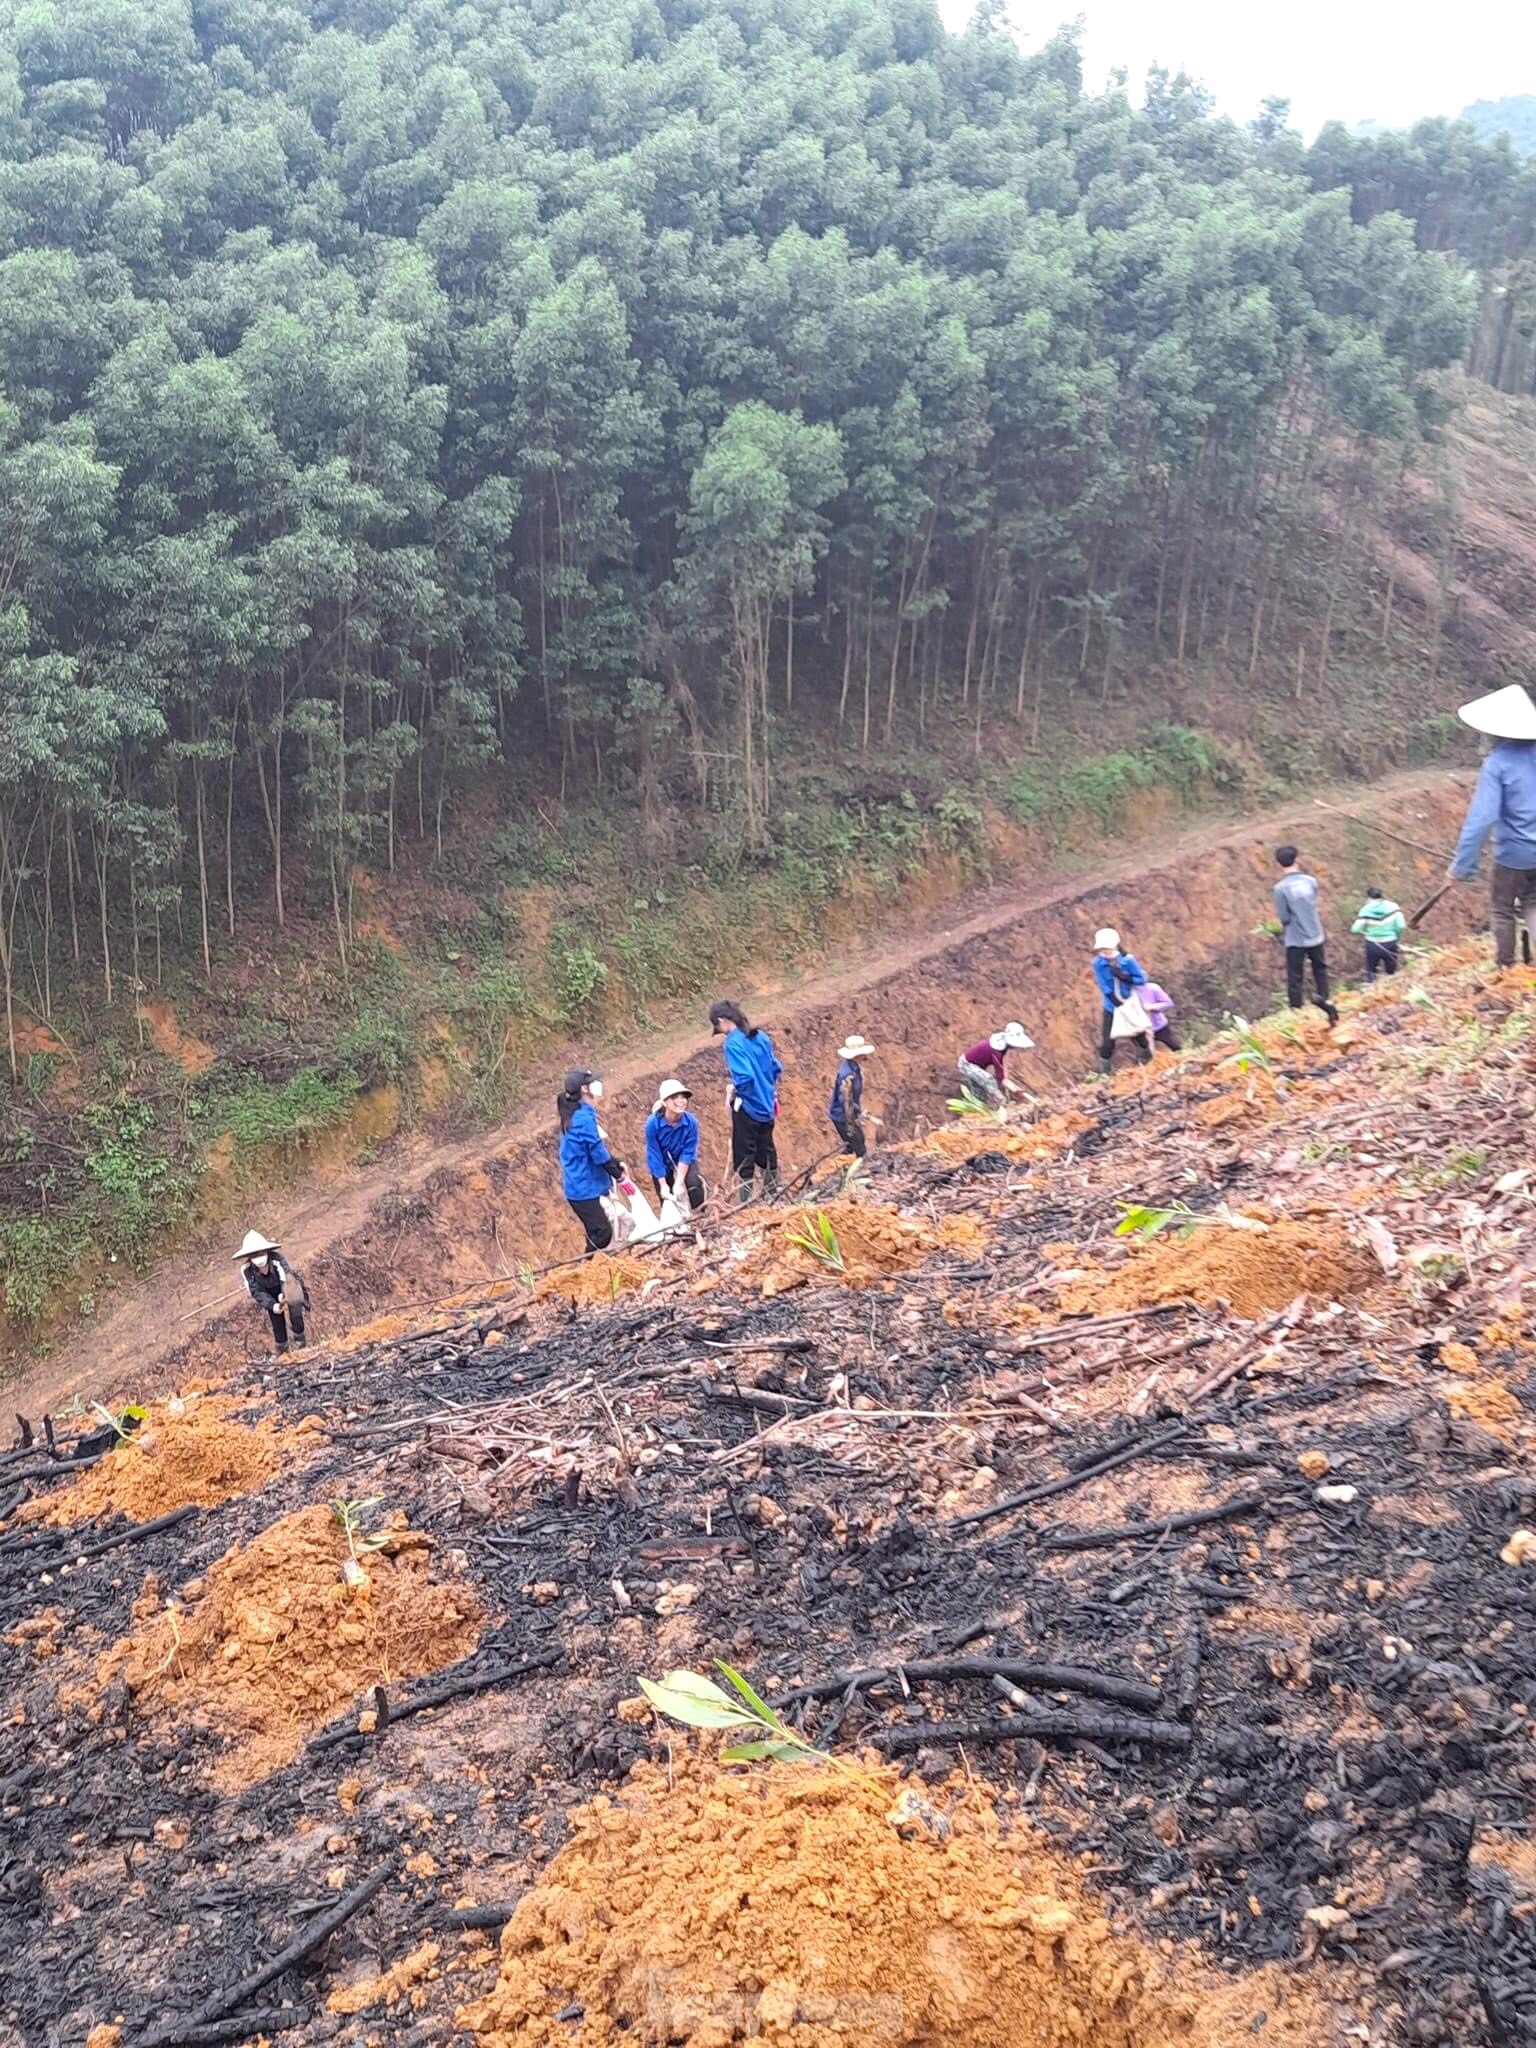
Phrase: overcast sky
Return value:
(1347, 60)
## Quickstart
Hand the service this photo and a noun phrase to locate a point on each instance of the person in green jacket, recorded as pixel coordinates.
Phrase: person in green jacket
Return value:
(1381, 924)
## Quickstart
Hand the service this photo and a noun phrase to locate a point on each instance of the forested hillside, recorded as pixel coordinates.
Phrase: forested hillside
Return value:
(510, 503)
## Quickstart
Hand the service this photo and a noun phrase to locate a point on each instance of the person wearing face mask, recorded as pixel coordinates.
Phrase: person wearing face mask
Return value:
(588, 1170)
(274, 1287)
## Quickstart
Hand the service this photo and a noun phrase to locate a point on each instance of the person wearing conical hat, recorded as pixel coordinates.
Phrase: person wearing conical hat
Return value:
(846, 1108)
(274, 1286)
(1503, 805)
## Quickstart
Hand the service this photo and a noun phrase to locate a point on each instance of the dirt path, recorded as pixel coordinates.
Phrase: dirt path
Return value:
(150, 1322)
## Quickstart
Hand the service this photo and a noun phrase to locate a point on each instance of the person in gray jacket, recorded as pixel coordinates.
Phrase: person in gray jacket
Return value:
(1302, 934)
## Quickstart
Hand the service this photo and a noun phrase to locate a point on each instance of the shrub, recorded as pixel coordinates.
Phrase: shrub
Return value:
(579, 974)
(37, 1255)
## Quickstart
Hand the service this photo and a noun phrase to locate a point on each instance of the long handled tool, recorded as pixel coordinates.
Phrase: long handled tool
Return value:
(1386, 831)
(1428, 905)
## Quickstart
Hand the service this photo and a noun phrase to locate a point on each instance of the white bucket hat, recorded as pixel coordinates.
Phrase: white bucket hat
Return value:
(1012, 1038)
(1106, 940)
(253, 1243)
(1507, 714)
(854, 1047)
(671, 1086)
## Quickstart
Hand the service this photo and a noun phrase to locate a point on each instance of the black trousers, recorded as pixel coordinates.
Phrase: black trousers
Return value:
(1380, 957)
(593, 1218)
(852, 1139)
(1296, 959)
(1167, 1036)
(693, 1181)
(1513, 892)
(753, 1151)
(295, 1316)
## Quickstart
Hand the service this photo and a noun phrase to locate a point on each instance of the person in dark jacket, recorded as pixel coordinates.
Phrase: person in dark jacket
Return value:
(274, 1287)
(588, 1170)
(1118, 973)
(1504, 804)
(752, 1096)
(846, 1108)
(672, 1147)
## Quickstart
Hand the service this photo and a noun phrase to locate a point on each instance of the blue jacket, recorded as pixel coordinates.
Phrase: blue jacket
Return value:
(754, 1069)
(847, 1096)
(1503, 803)
(1117, 977)
(587, 1167)
(668, 1145)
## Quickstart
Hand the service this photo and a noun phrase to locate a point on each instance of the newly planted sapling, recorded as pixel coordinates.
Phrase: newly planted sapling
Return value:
(120, 1421)
(969, 1103)
(351, 1515)
(820, 1240)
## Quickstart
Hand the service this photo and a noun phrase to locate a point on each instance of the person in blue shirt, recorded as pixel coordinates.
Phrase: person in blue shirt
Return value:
(672, 1147)
(753, 1096)
(846, 1108)
(588, 1170)
(1504, 804)
(1117, 974)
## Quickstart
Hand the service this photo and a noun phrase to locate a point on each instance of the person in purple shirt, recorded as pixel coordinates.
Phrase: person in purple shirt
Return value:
(1504, 804)
(984, 1066)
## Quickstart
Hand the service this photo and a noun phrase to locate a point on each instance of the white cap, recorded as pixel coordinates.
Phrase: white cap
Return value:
(1012, 1038)
(253, 1243)
(1508, 714)
(855, 1047)
(1106, 940)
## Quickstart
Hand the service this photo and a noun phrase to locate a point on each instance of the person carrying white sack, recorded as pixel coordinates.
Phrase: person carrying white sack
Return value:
(1132, 1009)
(672, 1147)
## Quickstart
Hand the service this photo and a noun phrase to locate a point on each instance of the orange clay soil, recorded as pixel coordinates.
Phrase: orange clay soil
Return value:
(185, 1453)
(787, 1906)
(599, 1279)
(963, 1139)
(272, 1643)
(873, 1242)
(1254, 1271)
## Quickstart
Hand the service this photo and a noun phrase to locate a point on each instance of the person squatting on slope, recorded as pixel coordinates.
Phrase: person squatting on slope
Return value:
(588, 1170)
(1119, 976)
(274, 1287)
(846, 1107)
(1504, 804)
(672, 1147)
(984, 1066)
(1302, 934)
(1381, 924)
(752, 1096)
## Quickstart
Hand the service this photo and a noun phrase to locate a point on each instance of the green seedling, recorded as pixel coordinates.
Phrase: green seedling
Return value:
(120, 1420)
(351, 1515)
(1250, 1053)
(820, 1240)
(969, 1103)
(1140, 1219)
(697, 1702)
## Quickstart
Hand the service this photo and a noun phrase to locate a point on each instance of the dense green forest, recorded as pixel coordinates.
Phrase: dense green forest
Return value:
(1514, 116)
(395, 391)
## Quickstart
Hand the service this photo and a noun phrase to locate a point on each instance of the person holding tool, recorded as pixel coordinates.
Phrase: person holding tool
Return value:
(1381, 924)
(274, 1287)
(1503, 804)
(672, 1147)
(984, 1066)
(1301, 933)
(588, 1170)
(846, 1108)
(752, 1096)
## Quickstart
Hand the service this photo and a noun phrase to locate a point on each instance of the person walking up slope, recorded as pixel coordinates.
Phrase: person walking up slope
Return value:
(588, 1170)
(752, 1096)
(1381, 924)
(1302, 934)
(846, 1108)
(274, 1287)
(1504, 803)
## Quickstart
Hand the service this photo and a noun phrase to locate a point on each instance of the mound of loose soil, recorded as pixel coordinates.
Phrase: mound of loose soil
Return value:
(873, 1242)
(187, 1452)
(596, 1280)
(273, 1643)
(968, 1136)
(785, 1906)
(1253, 1271)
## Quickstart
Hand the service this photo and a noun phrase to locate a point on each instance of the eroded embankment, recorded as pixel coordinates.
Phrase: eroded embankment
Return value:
(1188, 905)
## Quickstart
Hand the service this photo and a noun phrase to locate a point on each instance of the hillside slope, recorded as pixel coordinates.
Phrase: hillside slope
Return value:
(1233, 1504)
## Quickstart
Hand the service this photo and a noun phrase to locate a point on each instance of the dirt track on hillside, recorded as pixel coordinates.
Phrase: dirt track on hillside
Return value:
(430, 1217)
